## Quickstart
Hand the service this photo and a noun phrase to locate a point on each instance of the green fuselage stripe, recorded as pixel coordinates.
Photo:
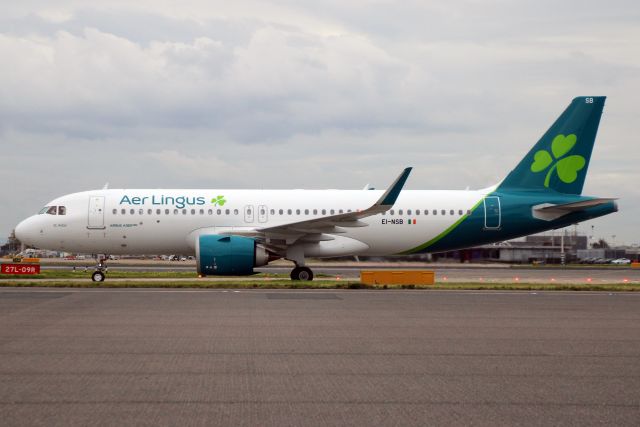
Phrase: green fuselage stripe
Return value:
(444, 233)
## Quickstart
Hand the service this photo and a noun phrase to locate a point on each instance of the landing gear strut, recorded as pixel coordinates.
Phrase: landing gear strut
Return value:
(101, 271)
(301, 273)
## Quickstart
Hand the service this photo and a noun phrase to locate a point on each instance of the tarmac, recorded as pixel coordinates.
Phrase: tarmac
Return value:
(284, 358)
(452, 273)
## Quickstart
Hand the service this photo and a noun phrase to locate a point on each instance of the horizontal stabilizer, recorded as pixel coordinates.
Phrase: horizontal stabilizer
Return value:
(549, 212)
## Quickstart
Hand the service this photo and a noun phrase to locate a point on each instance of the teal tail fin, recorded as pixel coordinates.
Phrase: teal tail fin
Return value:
(560, 159)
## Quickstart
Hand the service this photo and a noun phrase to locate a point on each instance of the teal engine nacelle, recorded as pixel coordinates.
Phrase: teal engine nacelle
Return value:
(229, 255)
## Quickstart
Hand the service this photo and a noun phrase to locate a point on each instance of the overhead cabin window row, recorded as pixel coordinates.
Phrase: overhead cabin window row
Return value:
(61, 210)
(427, 212)
(169, 212)
(53, 210)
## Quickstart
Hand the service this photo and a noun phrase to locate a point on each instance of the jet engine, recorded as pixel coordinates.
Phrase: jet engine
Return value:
(229, 255)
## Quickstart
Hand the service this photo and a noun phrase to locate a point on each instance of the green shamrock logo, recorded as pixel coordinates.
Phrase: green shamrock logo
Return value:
(567, 167)
(218, 201)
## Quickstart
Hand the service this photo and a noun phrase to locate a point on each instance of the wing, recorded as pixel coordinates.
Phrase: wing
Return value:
(319, 229)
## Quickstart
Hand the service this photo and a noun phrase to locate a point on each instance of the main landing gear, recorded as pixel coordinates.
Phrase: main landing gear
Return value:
(101, 271)
(301, 273)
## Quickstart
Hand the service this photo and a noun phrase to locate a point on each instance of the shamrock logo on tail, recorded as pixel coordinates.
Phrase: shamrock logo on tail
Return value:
(566, 167)
(218, 201)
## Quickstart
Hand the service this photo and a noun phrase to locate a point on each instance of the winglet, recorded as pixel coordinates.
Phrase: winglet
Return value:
(389, 197)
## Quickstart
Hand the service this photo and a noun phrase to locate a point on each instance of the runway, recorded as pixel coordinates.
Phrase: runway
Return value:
(280, 358)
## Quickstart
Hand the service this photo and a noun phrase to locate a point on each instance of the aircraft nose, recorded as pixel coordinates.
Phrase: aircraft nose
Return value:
(25, 231)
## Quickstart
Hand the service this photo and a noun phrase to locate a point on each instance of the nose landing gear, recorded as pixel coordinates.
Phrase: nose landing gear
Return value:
(100, 274)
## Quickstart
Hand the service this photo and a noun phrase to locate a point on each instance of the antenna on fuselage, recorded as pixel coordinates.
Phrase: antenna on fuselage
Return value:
(106, 186)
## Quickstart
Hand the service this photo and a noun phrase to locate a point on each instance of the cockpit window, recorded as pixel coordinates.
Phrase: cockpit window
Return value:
(52, 210)
(62, 210)
(43, 210)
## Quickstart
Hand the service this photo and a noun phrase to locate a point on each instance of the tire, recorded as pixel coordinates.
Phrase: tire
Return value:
(302, 273)
(98, 276)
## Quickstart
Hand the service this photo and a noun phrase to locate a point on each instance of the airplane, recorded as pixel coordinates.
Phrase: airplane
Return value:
(231, 232)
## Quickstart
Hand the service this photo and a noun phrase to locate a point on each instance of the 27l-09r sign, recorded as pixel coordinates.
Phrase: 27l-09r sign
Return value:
(20, 269)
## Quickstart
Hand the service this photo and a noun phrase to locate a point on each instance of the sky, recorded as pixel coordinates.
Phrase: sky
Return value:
(308, 94)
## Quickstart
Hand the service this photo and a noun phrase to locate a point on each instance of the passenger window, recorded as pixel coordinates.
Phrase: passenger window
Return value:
(417, 211)
(469, 212)
(324, 211)
(201, 211)
(219, 212)
(193, 211)
(460, 212)
(123, 211)
(235, 211)
(52, 210)
(297, 211)
(227, 211)
(306, 211)
(248, 211)
(272, 212)
(400, 212)
(141, 211)
(452, 212)
(426, 211)
(443, 212)
(392, 212)
(280, 212)
(210, 211)
(175, 211)
(408, 211)
(340, 211)
(166, 211)
(115, 211)
(315, 211)
(263, 212)
(132, 211)
(158, 211)
(150, 211)
(332, 212)
(435, 212)
(289, 211)
(62, 210)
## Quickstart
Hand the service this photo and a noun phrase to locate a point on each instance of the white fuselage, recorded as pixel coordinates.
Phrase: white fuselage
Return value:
(120, 221)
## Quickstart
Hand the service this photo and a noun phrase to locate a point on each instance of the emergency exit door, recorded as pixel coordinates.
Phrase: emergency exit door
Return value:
(96, 212)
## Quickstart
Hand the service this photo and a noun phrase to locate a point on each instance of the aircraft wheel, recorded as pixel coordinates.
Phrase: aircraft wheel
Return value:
(301, 273)
(98, 276)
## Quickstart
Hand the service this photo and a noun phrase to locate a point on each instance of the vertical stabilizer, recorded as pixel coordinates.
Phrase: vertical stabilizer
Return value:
(560, 159)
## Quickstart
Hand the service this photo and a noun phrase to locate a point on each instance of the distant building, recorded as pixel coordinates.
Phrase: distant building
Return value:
(547, 248)
(12, 246)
